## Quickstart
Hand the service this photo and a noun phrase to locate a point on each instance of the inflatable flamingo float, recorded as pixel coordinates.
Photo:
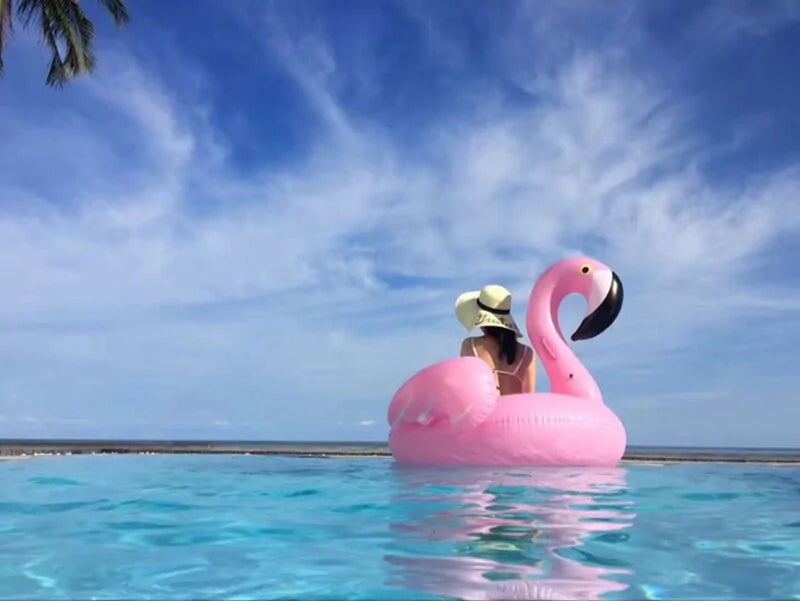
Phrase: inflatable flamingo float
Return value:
(450, 413)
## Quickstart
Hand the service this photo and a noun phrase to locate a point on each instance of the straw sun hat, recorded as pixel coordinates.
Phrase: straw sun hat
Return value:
(490, 306)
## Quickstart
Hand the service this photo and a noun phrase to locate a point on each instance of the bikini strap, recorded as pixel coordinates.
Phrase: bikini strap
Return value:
(472, 342)
(522, 359)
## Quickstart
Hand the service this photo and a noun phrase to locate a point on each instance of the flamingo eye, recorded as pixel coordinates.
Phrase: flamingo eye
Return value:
(585, 269)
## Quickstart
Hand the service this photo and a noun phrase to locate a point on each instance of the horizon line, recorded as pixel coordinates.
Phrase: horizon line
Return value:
(27, 447)
(323, 442)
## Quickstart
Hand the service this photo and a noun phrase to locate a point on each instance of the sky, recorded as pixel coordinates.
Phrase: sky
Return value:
(252, 221)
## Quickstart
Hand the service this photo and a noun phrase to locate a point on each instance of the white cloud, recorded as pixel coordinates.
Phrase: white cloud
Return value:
(736, 17)
(133, 280)
(534, 178)
(367, 422)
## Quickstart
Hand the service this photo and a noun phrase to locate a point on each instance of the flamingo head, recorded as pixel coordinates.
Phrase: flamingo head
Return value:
(598, 284)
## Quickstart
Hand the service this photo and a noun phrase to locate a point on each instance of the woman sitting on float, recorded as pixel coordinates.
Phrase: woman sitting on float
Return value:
(513, 363)
(480, 408)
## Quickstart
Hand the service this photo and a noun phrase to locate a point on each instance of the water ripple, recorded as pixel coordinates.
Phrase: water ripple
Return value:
(184, 527)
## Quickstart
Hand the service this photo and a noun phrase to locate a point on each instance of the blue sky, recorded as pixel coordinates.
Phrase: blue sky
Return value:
(252, 221)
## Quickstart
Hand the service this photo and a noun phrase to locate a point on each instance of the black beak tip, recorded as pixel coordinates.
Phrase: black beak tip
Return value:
(602, 318)
(585, 330)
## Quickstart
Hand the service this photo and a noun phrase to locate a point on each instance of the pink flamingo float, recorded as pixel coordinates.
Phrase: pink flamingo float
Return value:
(449, 413)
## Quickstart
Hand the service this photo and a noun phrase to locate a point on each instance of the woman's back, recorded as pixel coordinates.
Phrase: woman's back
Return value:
(489, 309)
(513, 377)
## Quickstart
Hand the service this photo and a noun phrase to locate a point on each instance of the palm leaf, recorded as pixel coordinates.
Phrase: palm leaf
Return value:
(117, 10)
(5, 25)
(63, 25)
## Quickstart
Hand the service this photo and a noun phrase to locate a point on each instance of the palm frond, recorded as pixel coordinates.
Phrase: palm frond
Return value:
(62, 22)
(117, 10)
(79, 58)
(67, 32)
(5, 25)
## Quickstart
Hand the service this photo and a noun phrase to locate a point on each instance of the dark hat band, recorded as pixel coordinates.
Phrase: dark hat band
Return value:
(491, 310)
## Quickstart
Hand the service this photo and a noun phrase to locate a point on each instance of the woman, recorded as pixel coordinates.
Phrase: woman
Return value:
(513, 363)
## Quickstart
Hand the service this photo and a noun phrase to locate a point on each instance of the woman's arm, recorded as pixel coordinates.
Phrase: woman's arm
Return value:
(480, 353)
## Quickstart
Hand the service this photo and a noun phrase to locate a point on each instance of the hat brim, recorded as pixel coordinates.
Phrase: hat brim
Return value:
(472, 316)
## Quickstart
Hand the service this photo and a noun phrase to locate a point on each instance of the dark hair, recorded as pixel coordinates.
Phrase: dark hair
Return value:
(507, 341)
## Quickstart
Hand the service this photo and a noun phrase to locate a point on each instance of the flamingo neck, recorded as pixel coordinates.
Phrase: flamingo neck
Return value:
(566, 373)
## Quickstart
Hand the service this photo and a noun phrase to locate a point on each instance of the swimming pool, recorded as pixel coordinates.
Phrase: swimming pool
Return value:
(255, 527)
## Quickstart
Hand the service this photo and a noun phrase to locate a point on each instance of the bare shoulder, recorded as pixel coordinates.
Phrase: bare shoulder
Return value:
(477, 346)
(468, 344)
(529, 352)
(476, 341)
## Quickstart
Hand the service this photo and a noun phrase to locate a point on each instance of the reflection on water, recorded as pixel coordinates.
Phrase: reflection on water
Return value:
(471, 533)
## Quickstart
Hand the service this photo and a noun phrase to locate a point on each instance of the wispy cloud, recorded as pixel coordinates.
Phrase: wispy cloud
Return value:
(744, 18)
(152, 260)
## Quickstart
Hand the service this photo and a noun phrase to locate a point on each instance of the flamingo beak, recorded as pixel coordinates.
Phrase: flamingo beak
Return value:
(603, 305)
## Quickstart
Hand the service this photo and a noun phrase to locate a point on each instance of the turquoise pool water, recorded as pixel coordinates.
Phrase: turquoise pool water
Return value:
(255, 527)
